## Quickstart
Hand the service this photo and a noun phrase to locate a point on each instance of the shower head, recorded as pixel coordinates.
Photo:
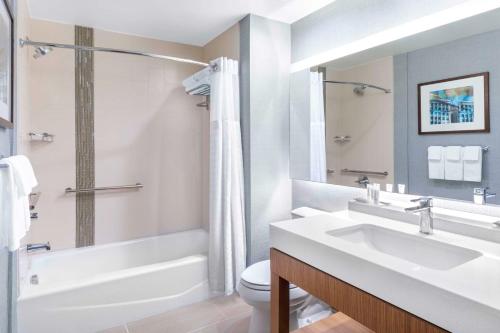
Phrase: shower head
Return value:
(359, 90)
(40, 51)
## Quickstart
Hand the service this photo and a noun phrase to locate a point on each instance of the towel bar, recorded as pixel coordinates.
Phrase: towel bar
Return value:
(106, 188)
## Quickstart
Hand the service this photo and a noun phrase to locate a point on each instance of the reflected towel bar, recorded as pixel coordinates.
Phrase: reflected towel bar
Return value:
(106, 188)
(378, 173)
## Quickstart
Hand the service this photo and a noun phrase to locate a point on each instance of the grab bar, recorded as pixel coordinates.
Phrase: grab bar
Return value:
(106, 188)
(378, 173)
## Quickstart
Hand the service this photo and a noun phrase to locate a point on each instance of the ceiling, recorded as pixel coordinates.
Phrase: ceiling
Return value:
(194, 22)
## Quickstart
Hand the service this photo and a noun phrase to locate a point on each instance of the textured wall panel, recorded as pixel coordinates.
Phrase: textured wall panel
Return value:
(84, 121)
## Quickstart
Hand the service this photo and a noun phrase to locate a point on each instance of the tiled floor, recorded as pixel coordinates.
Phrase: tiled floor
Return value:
(219, 315)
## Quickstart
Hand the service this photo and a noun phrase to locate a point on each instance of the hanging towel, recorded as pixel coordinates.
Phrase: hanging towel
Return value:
(436, 162)
(453, 165)
(17, 181)
(473, 163)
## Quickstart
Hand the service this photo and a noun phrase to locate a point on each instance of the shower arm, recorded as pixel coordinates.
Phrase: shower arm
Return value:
(359, 84)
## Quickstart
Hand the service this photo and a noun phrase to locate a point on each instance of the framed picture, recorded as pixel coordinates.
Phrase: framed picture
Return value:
(6, 65)
(456, 105)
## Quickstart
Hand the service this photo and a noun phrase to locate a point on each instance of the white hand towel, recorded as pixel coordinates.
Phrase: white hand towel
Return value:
(453, 165)
(473, 163)
(436, 162)
(17, 182)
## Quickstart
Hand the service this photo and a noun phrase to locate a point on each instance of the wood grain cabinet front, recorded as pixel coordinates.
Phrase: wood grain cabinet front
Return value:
(370, 311)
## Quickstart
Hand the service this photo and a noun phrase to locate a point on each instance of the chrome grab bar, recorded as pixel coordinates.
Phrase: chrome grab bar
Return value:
(384, 173)
(106, 188)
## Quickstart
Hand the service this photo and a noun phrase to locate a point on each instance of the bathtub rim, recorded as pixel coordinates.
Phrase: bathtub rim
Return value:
(28, 292)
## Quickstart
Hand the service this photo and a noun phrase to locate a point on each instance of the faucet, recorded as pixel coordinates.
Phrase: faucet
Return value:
(38, 246)
(481, 194)
(363, 181)
(425, 209)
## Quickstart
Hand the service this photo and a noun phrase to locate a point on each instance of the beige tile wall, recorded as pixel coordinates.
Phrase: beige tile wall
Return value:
(51, 108)
(367, 119)
(146, 130)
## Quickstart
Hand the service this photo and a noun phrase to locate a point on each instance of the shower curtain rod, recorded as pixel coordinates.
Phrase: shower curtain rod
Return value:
(23, 42)
(360, 84)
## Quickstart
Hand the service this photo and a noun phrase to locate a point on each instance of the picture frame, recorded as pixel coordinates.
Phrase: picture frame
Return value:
(455, 105)
(6, 65)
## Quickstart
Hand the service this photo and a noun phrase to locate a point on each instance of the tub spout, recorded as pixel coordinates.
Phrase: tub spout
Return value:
(36, 247)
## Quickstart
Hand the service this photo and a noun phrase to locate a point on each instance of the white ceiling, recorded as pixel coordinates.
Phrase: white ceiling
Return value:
(193, 22)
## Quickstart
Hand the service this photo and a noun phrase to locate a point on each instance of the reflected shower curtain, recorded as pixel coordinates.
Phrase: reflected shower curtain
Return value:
(317, 149)
(227, 247)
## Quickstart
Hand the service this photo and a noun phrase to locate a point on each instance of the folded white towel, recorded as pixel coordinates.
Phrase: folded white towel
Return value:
(196, 80)
(473, 163)
(435, 162)
(472, 153)
(453, 165)
(17, 182)
(435, 153)
(454, 153)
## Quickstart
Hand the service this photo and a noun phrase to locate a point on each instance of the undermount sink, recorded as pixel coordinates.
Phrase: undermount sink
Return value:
(413, 248)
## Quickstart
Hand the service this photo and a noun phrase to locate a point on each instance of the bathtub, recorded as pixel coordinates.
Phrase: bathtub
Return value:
(94, 288)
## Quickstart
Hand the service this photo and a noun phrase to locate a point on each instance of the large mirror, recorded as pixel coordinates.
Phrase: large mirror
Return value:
(421, 113)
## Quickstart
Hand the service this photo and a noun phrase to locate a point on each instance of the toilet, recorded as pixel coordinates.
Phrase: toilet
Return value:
(255, 289)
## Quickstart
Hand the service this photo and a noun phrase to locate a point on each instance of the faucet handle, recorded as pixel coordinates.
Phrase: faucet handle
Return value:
(424, 201)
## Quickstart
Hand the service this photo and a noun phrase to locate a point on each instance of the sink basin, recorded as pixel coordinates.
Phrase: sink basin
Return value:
(413, 248)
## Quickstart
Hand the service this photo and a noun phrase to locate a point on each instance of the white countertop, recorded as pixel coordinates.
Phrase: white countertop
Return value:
(465, 298)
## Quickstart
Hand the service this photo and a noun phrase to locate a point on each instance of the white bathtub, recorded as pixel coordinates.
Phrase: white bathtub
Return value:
(90, 289)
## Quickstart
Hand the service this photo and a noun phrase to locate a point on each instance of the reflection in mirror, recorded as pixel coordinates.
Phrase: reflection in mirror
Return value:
(419, 117)
(351, 124)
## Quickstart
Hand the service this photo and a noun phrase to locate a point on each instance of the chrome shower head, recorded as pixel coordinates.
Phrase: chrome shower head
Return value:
(40, 51)
(359, 90)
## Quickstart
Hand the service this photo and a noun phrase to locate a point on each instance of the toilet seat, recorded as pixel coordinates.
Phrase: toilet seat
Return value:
(258, 276)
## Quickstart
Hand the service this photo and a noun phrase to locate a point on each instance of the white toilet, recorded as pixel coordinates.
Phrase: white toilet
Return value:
(255, 289)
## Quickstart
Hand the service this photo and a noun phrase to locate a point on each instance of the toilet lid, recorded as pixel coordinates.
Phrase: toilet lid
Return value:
(258, 276)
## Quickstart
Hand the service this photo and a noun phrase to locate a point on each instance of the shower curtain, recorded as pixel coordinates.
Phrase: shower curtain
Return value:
(317, 150)
(227, 247)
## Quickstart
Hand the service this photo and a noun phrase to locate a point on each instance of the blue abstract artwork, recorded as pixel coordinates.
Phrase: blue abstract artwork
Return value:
(451, 106)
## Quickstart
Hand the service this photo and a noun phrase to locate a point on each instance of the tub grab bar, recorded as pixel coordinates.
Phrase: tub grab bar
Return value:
(378, 173)
(106, 188)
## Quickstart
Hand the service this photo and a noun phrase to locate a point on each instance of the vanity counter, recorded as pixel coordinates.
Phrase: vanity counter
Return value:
(458, 297)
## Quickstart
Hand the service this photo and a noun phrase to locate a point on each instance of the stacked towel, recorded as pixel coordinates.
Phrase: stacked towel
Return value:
(16, 183)
(453, 165)
(473, 163)
(436, 162)
(195, 82)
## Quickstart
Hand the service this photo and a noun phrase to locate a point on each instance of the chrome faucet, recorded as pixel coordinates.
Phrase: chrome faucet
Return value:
(363, 181)
(38, 246)
(424, 209)
(481, 194)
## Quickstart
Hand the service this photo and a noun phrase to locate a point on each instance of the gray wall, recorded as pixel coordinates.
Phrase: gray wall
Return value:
(300, 125)
(264, 65)
(465, 56)
(6, 262)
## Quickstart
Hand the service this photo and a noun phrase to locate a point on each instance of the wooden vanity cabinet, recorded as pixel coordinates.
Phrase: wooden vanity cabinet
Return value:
(372, 312)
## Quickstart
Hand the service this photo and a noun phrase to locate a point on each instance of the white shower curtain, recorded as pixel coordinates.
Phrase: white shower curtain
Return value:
(227, 248)
(317, 149)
